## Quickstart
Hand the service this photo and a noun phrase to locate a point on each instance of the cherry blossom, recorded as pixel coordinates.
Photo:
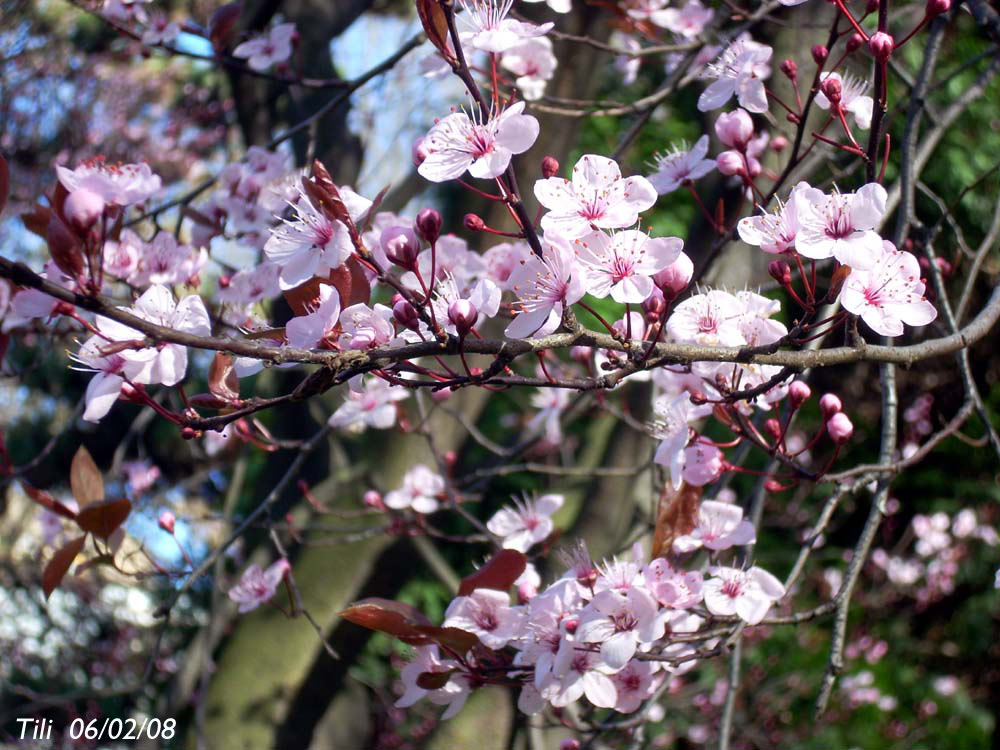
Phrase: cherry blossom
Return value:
(420, 491)
(262, 52)
(889, 293)
(504, 259)
(256, 586)
(544, 288)
(853, 97)
(484, 298)
(142, 475)
(306, 331)
(166, 363)
(119, 184)
(161, 30)
(711, 318)
(551, 403)
(491, 31)
(670, 426)
(775, 232)
(164, 261)
(598, 196)
(533, 63)
(427, 659)
(105, 387)
(577, 673)
(719, 526)
(702, 464)
(748, 594)
(458, 143)
(634, 683)
(487, 614)
(121, 257)
(842, 226)
(740, 70)
(28, 304)
(623, 264)
(672, 587)
(527, 523)
(369, 402)
(619, 622)
(687, 22)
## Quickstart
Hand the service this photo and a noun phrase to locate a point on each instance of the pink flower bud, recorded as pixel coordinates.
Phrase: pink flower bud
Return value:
(773, 428)
(735, 129)
(462, 314)
(419, 152)
(401, 246)
(405, 314)
(441, 394)
(820, 53)
(780, 271)
(730, 163)
(428, 224)
(474, 223)
(675, 278)
(798, 393)
(224, 282)
(572, 625)
(550, 167)
(773, 485)
(570, 743)
(829, 404)
(581, 354)
(839, 428)
(881, 45)
(82, 209)
(937, 7)
(373, 499)
(167, 521)
(832, 89)
(790, 68)
(779, 143)
(654, 306)
(753, 166)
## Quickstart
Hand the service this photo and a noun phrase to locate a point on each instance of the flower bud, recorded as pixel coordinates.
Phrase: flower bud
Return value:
(550, 167)
(428, 224)
(779, 143)
(871, 7)
(937, 7)
(570, 743)
(419, 152)
(780, 271)
(730, 163)
(773, 428)
(798, 393)
(581, 354)
(820, 53)
(854, 42)
(839, 428)
(82, 209)
(753, 167)
(224, 282)
(373, 499)
(401, 246)
(773, 485)
(190, 433)
(832, 89)
(654, 306)
(462, 314)
(167, 521)
(474, 223)
(441, 394)
(829, 404)
(735, 128)
(881, 45)
(675, 278)
(790, 68)
(405, 314)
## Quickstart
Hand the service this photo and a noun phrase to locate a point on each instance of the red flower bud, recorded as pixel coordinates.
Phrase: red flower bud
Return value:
(881, 45)
(854, 42)
(167, 521)
(829, 404)
(820, 53)
(937, 7)
(798, 393)
(550, 167)
(401, 246)
(832, 89)
(428, 225)
(405, 314)
(790, 68)
(780, 271)
(474, 223)
(773, 428)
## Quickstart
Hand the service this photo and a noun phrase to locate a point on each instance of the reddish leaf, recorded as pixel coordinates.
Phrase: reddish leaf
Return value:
(433, 680)
(208, 401)
(4, 182)
(222, 379)
(48, 502)
(58, 566)
(837, 282)
(369, 217)
(222, 23)
(455, 640)
(103, 518)
(677, 515)
(435, 23)
(386, 616)
(85, 478)
(499, 573)
(36, 220)
(63, 246)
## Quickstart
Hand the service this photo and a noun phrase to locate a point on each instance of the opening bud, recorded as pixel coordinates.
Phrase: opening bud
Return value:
(474, 223)
(839, 428)
(550, 167)
(654, 306)
(166, 521)
(881, 45)
(405, 314)
(829, 404)
(832, 89)
(373, 499)
(798, 393)
(675, 278)
(735, 129)
(780, 271)
(730, 163)
(401, 246)
(462, 314)
(820, 53)
(82, 209)
(428, 224)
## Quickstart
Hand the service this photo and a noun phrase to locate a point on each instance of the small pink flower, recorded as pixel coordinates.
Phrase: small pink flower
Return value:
(622, 265)
(307, 331)
(620, 622)
(534, 65)
(141, 475)
(527, 523)
(702, 464)
(167, 521)
(842, 226)
(720, 526)
(853, 98)
(749, 594)
(120, 184)
(256, 586)
(488, 614)
(262, 52)
(687, 22)
(491, 31)
(420, 491)
(740, 70)
(544, 288)
(370, 402)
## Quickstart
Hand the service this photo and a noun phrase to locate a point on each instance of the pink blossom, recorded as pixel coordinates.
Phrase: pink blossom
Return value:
(306, 331)
(749, 594)
(161, 30)
(420, 491)
(487, 614)
(120, 184)
(579, 673)
(842, 225)
(369, 402)
(491, 31)
(141, 475)
(551, 403)
(428, 659)
(672, 587)
(853, 98)
(121, 258)
(670, 426)
(740, 70)
(702, 464)
(889, 293)
(527, 523)
(105, 387)
(366, 327)
(720, 526)
(598, 196)
(623, 264)
(711, 318)
(458, 143)
(256, 586)
(687, 22)
(633, 685)
(251, 285)
(262, 52)
(504, 259)
(775, 232)
(482, 302)
(620, 622)
(534, 65)
(544, 287)
(163, 261)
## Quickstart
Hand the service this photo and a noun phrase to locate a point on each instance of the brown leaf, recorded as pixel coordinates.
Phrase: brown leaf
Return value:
(85, 478)
(677, 515)
(4, 182)
(499, 573)
(369, 217)
(48, 502)
(58, 566)
(64, 247)
(222, 379)
(456, 640)
(386, 616)
(433, 680)
(837, 282)
(103, 518)
(435, 23)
